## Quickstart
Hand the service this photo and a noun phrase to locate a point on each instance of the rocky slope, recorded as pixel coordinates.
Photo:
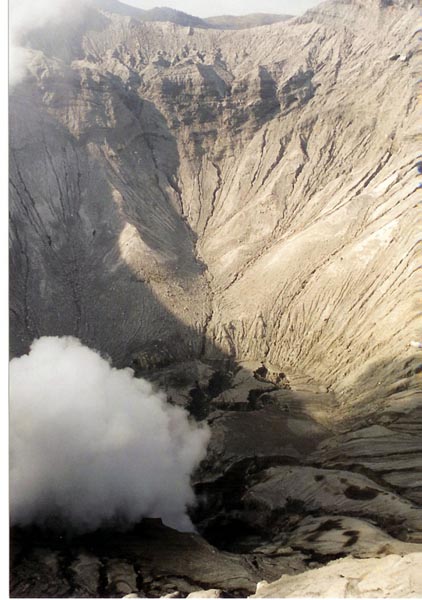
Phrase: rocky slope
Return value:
(235, 215)
(272, 181)
(390, 577)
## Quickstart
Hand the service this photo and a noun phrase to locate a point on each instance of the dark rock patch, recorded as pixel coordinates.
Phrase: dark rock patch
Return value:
(355, 493)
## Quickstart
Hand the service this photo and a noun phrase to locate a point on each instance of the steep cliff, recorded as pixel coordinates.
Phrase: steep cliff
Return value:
(251, 192)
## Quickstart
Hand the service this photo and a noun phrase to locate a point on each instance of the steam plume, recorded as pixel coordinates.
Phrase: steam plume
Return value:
(28, 15)
(91, 445)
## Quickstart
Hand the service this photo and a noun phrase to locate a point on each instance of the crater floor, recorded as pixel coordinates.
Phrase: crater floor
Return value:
(283, 490)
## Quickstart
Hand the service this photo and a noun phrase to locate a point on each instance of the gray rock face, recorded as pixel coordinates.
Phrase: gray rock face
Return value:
(390, 577)
(153, 561)
(333, 491)
(225, 190)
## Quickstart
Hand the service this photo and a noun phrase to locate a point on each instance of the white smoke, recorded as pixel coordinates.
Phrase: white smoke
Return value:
(91, 445)
(26, 16)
